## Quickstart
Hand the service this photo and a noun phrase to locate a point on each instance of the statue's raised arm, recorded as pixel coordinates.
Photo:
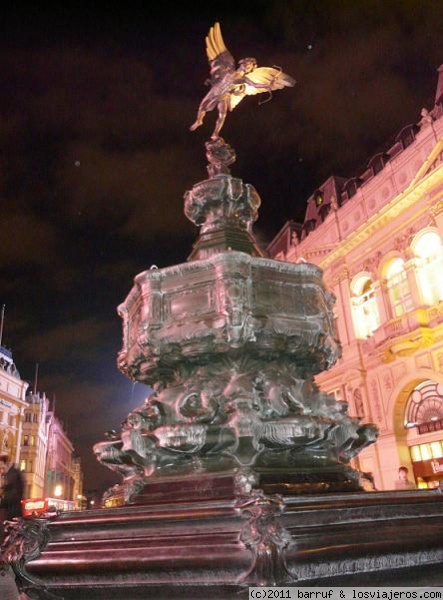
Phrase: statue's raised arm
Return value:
(229, 85)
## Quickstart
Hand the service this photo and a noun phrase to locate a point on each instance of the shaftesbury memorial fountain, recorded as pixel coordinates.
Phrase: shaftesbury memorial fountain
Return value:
(235, 471)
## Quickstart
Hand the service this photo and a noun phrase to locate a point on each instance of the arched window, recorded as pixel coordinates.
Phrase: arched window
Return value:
(364, 307)
(398, 288)
(428, 250)
(424, 405)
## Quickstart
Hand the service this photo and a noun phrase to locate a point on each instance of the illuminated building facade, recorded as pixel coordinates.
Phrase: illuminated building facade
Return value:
(34, 449)
(59, 469)
(12, 405)
(47, 460)
(77, 475)
(34, 438)
(379, 239)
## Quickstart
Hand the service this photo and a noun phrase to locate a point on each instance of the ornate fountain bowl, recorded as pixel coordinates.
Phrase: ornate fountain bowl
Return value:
(226, 304)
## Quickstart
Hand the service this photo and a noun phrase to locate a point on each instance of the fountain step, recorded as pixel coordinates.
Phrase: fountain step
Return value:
(218, 547)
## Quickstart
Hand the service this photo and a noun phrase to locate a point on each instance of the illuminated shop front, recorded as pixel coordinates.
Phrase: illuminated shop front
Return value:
(424, 419)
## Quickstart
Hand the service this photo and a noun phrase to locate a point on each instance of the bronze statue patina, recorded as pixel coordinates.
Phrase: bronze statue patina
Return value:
(230, 343)
(230, 85)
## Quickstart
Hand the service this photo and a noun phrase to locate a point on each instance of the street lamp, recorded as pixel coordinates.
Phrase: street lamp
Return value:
(58, 491)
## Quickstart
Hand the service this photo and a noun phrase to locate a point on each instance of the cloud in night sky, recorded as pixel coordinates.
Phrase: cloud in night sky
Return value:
(96, 156)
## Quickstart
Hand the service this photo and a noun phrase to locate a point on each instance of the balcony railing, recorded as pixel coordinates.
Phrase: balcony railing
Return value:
(426, 317)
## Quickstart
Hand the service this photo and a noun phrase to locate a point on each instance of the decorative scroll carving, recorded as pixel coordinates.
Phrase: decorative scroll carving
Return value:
(25, 541)
(267, 539)
(341, 275)
(372, 262)
(387, 381)
(403, 241)
(222, 201)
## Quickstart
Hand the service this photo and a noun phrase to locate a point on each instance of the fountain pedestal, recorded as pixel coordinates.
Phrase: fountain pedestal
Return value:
(230, 343)
(235, 471)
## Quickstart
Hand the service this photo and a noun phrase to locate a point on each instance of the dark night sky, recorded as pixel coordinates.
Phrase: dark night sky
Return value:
(96, 156)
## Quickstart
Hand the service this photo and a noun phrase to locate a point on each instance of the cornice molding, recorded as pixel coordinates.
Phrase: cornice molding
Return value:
(377, 222)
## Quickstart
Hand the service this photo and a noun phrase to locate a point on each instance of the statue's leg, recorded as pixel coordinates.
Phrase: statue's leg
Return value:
(199, 120)
(222, 112)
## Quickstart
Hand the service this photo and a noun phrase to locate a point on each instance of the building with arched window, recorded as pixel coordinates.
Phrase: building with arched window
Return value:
(397, 285)
(428, 253)
(380, 245)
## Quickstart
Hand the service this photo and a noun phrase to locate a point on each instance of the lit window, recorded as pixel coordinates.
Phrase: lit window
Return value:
(398, 288)
(436, 450)
(415, 453)
(429, 252)
(26, 440)
(23, 465)
(425, 452)
(364, 307)
(32, 440)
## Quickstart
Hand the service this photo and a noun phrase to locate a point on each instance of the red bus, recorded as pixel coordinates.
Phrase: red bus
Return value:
(34, 507)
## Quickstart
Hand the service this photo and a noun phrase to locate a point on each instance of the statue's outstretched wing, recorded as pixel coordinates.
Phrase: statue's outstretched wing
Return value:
(219, 57)
(261, 79)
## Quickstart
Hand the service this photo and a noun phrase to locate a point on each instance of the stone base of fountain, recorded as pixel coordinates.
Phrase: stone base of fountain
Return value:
(223, 485)
(217, 548)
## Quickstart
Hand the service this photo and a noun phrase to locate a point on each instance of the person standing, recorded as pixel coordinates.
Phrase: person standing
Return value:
(12, 493)
(403, 482)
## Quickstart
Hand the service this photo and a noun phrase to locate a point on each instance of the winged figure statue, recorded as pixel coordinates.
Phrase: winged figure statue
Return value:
(229, 85)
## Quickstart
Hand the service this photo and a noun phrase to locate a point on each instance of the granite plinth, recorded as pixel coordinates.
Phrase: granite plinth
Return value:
(217, 548)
